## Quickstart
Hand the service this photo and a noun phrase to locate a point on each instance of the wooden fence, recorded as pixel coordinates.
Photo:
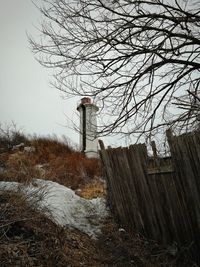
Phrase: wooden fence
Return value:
(157, 197)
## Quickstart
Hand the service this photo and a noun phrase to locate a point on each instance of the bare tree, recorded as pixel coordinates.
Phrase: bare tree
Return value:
(139, 59)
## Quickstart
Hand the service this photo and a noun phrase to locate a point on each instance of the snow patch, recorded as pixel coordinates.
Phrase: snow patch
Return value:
(66, 208)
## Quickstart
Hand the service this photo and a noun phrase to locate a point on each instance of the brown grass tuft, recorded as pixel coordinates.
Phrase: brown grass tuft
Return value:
(92, 189)
(28, 238)
(52, 160)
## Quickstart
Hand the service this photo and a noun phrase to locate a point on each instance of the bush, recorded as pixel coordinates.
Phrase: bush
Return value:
(10, 136)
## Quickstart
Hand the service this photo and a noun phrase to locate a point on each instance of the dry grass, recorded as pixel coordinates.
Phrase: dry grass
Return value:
(120, 248)
(52, 160)
(72, 170)
(28, 238)
(94, 188)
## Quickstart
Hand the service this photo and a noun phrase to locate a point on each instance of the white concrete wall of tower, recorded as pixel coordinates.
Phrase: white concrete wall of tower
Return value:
(81, 129)
(88, 128)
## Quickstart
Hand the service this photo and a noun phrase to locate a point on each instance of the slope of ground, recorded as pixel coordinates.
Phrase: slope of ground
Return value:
(62, 205)
(30, 237)
(47, 158)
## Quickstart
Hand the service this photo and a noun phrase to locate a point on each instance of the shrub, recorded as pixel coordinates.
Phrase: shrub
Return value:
(10, 135)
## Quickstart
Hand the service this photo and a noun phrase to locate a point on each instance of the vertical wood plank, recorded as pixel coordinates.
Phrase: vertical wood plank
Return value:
(163, 205)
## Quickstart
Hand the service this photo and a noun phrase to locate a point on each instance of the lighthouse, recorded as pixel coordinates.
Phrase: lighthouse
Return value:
(88, 127)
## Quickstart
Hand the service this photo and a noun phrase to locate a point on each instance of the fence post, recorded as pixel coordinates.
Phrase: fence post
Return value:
(101, 144)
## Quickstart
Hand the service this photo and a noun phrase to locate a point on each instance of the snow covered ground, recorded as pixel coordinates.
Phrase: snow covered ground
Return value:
(63, 206)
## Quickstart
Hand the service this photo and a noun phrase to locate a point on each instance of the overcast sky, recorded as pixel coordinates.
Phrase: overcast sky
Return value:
(26, 96)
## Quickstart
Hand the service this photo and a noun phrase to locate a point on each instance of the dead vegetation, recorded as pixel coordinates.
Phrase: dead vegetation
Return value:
(52, 160)
(29, 238)
(92, 189)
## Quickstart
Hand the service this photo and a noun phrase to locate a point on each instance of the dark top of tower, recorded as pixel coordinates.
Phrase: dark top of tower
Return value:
(87, 101)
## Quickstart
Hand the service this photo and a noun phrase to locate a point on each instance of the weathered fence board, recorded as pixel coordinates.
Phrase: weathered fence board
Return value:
(157, 197)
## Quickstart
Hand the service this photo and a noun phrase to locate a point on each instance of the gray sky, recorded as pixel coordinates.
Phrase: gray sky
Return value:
(26, 96)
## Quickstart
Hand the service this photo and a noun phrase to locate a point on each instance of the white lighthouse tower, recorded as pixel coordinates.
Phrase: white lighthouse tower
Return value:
(88, 127)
